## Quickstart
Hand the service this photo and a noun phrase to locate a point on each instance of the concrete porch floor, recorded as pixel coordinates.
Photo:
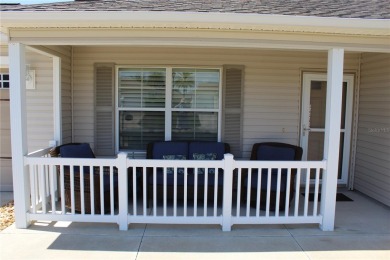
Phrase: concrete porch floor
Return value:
(362, 231)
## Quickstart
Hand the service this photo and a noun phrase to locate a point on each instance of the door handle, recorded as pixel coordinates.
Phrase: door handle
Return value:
(306, 129)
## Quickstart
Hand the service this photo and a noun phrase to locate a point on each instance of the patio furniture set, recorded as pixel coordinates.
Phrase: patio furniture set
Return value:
(186, 181)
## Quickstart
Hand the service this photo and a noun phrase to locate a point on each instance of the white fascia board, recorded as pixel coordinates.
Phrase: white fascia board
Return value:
(236, 21)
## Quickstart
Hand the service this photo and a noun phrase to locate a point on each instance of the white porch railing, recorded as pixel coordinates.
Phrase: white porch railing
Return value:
(295, 208)
(125, 191)
(54, 178)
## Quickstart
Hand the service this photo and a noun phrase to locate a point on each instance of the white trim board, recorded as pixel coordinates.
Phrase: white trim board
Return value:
(195, 20)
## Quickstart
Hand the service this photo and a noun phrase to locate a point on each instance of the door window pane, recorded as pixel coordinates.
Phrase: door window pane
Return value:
(317, 104)
(316, 150)
(343, 105)
(316, 146)
(341, 155)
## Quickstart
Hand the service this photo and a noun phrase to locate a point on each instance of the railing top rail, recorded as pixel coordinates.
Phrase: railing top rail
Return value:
(39, 153)
(175, 163)
(36, 158)
(71, 161)
(280, 164)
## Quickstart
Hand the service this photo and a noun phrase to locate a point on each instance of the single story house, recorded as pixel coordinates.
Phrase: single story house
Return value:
(120, 74)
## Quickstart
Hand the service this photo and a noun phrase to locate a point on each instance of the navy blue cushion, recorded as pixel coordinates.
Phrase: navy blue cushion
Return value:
(205, 148)
(161, 149)
(275, 153)
(175, 157)
(76, 151)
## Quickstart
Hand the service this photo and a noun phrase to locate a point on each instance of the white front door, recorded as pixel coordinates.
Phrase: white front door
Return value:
(313, 120)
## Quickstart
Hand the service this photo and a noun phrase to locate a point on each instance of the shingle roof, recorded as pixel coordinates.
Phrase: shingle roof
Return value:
(372, 9)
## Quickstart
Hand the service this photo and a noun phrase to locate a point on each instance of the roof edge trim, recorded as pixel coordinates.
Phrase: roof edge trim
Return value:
(41, 18)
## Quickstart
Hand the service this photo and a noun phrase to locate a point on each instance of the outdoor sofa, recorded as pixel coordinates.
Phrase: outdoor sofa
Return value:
(183, 150)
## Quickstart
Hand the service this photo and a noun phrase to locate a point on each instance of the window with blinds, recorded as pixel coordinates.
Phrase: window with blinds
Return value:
(141, 105)
(141, 88)
(195, 104)
(138, 128)
(167, 104)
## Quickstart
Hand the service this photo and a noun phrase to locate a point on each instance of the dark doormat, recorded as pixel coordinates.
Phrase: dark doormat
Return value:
(339, 197)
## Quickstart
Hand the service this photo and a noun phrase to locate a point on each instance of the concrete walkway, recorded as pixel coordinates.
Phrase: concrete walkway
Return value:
(362, 232)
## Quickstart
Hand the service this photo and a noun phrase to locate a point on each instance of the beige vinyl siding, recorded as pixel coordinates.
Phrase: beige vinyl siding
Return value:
(372, 164)
(6, 175)
(39, 106)
(66, 92)
(83, 98)
(3, 50)
(272, 86)
(5, 119)
(65, 53)
(5, 133)
(5, 140)
(40, 115)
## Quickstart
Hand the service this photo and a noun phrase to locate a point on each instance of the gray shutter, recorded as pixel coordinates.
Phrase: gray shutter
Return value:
(104, 109)
(232, 108)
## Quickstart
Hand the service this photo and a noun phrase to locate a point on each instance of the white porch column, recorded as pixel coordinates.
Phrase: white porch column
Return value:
(332, 137)
(21, 182)
(57, 100)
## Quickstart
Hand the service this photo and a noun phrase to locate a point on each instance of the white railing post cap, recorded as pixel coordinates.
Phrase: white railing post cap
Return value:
(228, 156)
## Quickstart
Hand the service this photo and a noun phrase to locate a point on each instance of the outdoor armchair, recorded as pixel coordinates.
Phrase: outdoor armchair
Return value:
(83, 150)
(272, 151)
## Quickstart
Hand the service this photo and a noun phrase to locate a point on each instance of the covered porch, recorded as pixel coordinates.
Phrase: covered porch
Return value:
(268, 107)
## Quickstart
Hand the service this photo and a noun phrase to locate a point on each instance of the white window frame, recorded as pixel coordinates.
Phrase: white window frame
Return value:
(168, 101)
